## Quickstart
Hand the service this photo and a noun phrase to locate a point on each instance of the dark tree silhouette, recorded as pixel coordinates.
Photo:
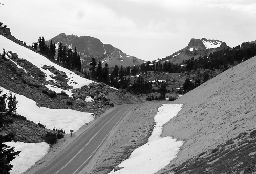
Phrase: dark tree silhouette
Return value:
(93, 68)
(7, 154)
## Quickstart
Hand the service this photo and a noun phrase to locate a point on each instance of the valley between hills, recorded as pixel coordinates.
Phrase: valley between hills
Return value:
(75, 105)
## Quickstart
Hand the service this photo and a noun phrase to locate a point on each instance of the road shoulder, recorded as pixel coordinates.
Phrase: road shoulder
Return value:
(63, 144)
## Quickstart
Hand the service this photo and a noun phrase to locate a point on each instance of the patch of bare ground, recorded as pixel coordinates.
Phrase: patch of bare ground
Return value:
(216, 112)
(133, 131)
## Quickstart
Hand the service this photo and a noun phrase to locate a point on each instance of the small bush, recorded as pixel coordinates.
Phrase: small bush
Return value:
(50, 138)
(69, 103)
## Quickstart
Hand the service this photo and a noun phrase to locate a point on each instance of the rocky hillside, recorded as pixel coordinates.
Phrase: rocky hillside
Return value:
(33, 76)
(217, 124)
(195, 49)
(88, 47)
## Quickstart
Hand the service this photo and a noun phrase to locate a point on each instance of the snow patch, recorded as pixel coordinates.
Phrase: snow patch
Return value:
(25, 159)
(191, 49)
(65, 119)
(89, 99)
(211, 44)
(159, 151)
(176, 54)
(59, 90)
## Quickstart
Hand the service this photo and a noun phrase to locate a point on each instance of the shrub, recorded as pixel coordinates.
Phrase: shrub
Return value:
(50, 138)
(50, 93)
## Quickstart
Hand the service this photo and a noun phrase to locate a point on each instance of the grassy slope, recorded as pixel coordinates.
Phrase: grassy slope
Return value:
(217, 111)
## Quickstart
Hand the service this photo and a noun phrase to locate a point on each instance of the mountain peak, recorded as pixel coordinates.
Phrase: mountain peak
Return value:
(196, 44)
(202, 44)
(88, 46)
(196, 48)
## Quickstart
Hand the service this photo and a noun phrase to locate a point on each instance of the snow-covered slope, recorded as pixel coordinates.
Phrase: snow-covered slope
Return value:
(74, 80)
(65, 119)
(30, 153)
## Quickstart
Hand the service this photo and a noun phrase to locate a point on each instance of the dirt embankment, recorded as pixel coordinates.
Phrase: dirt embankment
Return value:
(218, 111)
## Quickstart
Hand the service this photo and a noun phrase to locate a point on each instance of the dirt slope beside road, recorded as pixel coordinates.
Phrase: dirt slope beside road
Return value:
(132, 132)
(217, 111)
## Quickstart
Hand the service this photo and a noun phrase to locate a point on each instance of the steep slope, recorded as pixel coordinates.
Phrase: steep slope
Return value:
(195, 49)
(217, 124)
(92, 47)
(117, 57)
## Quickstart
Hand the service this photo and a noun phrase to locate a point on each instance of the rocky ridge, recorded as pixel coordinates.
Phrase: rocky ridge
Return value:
(196, 48)
(89, 47)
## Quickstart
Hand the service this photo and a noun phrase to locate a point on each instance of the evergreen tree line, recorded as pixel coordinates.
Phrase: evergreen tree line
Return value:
(223, 59)
(160, 67)
(7, 154)
(65, 56)
(118, 78)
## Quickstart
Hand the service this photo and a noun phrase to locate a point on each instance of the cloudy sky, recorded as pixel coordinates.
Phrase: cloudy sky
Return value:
(148, 29)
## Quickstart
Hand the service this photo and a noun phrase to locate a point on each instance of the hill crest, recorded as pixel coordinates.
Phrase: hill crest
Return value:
(89, 47)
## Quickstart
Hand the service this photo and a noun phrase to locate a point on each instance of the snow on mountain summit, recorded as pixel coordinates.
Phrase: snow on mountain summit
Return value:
(211, 43)
(196, 48)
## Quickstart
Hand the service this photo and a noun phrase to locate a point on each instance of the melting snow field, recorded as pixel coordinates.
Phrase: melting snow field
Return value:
(39, 61)
(65, 119)
(27, 149)
(159, 151)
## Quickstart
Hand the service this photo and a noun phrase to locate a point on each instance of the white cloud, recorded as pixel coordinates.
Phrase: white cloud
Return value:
(144, 28)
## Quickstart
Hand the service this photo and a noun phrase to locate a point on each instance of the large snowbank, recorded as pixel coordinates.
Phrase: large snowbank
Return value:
(159, 151)
(29, 155)
(65, 119)
(39, 61)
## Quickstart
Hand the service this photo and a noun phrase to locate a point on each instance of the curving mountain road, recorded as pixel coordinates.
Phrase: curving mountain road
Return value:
(77, 155)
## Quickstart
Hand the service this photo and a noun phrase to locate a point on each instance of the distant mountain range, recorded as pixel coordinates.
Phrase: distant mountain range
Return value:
(195, 49)
(89, 47)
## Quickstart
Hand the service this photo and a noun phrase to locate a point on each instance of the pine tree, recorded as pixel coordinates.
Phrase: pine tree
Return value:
(93, 68)
(7, 154)
(35, 46)
(69, 61)
(188, 85)
(106, 74)
(114, 77)
(52, 50)
(12, 104)
(2, 102)
(77, 61)
(60, 52)
(99, 72)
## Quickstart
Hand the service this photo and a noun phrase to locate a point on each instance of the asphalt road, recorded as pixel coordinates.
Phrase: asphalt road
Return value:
(77, 155)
